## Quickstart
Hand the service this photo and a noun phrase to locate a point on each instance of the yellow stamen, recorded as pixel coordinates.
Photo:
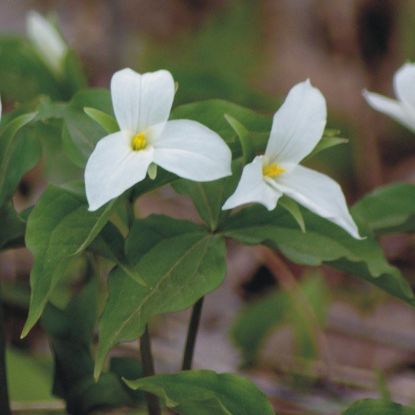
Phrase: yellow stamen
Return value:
(139, 142)
(272, 170)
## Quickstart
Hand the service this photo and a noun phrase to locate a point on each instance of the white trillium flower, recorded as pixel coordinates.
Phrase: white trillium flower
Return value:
(296, 129)
(142, 105)
(47, 41)
(401, 110)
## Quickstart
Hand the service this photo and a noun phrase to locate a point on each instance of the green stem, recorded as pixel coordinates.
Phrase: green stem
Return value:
(4, 394)
(192, 334)
(153, 404)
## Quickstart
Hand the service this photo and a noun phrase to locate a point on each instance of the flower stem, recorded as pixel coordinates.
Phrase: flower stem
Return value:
(153, 404)
(4, 394)
(192, 334)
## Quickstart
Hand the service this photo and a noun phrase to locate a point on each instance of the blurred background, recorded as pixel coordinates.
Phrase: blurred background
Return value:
(358, 341)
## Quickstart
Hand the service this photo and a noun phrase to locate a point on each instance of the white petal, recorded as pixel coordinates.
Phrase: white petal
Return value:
(193, 151)
(297, 126)
(47, 40)
(404, 85)
(390, 107)
(114, 167)
(319, 193)
(141, 101)
(252, 188)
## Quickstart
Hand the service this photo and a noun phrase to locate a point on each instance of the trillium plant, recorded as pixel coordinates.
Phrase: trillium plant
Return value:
(251, 178)
(402, 109)
(142, 105)
(297, 127)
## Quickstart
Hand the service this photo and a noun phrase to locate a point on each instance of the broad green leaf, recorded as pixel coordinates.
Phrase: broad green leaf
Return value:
(209, 198)
(12, 227)
(212, 114)
(110, 244)
(18, 154)
(73, 73)
(323, 243)
(378, 407)
(179, 262)
(294, 210)
(57, 229)
(302, 308)
(205, 392)
(71, 333)
(80, 132)
(23, 75)
(228, 120)
(387, 209)
(243, 135)
(108, 123)
(325, 143)
(108, 392)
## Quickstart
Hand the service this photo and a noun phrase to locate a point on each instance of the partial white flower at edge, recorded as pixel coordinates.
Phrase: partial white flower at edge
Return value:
(47, 40)
(297, 127)
(401, 110)
(142, 105)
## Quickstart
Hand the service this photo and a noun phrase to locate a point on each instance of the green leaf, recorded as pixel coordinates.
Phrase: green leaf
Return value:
(243, 135)
(74, 76)
(212, 114)
(208, 198)
(375, 407)
(179, 262)
(387, 209)
(12, 227)
(110, 244)
(302, 308)
(23, 75)
(327, 142)
(97, 98)
(294, 210)
(107, 392)
(229, 121)
(323, 243)
(108, 123)
(71, 333)
(205, 392)
(80, 132)
(18, 154)
(58, 228)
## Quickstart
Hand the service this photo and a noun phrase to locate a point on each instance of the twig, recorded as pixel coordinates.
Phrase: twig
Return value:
(192, 334)
(153, 404)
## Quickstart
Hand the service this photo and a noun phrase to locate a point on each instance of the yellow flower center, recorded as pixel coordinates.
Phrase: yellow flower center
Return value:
(139, 142)
(272, 170)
